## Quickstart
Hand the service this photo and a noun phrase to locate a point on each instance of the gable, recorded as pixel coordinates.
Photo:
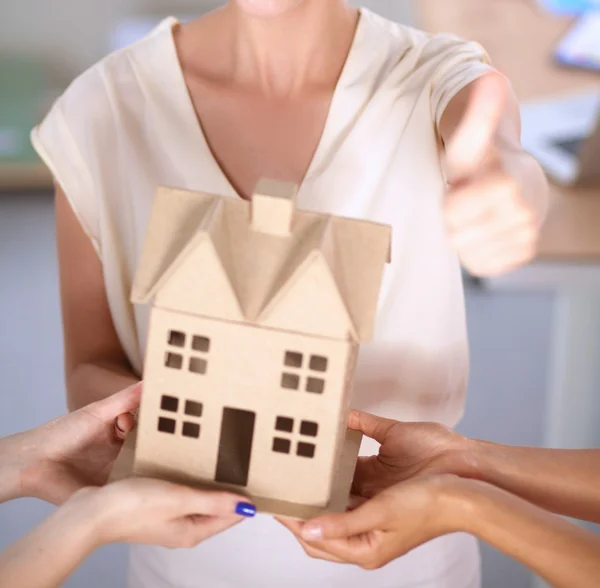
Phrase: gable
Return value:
(202, 255)
(200, 285)
(261, 264)
(350, 258)
(251, 258)
(176, 217)
(356, 255)
(310, 303)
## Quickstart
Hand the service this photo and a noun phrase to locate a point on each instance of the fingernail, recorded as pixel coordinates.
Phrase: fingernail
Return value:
(118, 427)
(245, 509)
(312, 533)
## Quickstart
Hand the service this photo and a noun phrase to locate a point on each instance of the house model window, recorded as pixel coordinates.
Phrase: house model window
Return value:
(304, 372)
(304, 433)
(258, 311)
(178, 352)
(170, 417)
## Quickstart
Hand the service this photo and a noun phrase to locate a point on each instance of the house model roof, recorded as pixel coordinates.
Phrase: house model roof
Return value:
(263, 261)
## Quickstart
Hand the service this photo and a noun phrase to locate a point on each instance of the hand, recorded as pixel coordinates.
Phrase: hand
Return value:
(77, 449)
(394, 522)
(407, 450)
(491, 224)
(143, 510)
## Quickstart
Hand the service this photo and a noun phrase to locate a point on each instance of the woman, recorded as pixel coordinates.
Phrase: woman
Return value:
(65, 461)
(428, 481)
(356, 110)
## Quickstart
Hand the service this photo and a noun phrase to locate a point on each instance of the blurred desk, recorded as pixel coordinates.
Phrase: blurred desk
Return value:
(520, 38)
(31, 176)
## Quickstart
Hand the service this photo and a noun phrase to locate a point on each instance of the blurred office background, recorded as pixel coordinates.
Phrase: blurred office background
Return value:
(534, 335)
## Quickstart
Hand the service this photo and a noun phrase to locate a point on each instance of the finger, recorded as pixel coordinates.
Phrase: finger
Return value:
(479, 200)
(368, 479)
(183, 501)
(191, 530)
(295, 527)
(517, 244)
(355, 501)
(124, 401)
(318, 553)
(373, 515)
(495, 234)
(370, 425)
(292, 525)
(369, 551)
(202, 528)
(476, 131)
(212, 503)
(359, 549)
(123, 425)
(501, 262)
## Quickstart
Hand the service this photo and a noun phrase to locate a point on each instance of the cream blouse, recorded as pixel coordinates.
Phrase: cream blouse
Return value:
(127, 125)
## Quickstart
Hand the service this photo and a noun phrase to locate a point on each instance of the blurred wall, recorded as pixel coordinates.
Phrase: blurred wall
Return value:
(506, 402)
(74, 33)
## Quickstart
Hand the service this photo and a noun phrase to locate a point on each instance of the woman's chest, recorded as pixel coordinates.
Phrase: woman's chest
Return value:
(374, 157)
(251, 136)
(378, 160)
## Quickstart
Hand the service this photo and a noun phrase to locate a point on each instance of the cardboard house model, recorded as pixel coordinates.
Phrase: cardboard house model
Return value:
(258, 312)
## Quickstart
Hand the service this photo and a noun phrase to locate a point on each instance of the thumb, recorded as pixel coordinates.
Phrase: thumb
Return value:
(124, 424)
(370, 425)
(213, 503)
(122, 402)
(372, 515)
(369, 476)
(476, 131)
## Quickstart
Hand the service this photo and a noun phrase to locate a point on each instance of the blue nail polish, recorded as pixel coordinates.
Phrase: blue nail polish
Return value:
(245, 509)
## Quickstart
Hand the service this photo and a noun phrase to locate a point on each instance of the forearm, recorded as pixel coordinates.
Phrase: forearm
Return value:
(92, 381)
(51, 552)
(11, 469)
(562, 481)
(563, 554)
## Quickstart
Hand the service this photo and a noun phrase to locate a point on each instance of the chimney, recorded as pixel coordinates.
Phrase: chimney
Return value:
(272, 207)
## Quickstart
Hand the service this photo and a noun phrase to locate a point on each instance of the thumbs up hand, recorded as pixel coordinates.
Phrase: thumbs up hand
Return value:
(491, 218)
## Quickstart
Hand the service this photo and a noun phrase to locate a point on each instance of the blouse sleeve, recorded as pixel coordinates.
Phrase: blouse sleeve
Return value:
(64, 140)
(457, 63)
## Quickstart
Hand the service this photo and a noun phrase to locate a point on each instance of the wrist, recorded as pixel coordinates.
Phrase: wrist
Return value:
(87, 509)
(460, 457)
(459, 504)
(486, 461)
(105, 512)
(34, 479)
(18, 468)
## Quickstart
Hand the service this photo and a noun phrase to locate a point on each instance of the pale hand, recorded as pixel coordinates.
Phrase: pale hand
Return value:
(489, 220)
(77, 449)
(143, 510)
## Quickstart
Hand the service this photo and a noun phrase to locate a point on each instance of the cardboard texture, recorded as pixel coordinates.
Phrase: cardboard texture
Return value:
(259, 309)
(339, 497)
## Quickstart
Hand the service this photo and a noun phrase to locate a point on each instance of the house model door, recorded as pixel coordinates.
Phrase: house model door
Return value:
(235, 446)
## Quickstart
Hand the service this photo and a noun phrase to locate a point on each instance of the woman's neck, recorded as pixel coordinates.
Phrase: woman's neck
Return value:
(306, 47)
